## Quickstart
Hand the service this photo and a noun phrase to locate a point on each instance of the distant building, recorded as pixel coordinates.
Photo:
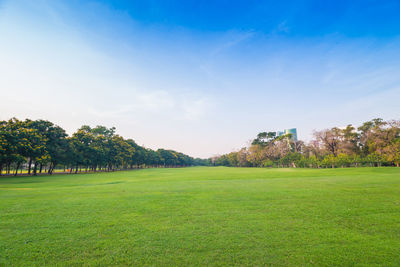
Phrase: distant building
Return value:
(292, 131)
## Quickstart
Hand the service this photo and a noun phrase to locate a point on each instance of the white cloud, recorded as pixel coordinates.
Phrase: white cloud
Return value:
(196, 109)
(154, 101)
(154, 104)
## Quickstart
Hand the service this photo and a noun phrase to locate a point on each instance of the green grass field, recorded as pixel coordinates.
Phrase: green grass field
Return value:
(203, 216)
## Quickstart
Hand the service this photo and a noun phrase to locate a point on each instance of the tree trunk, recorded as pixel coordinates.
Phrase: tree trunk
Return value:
(41, 167)
(29, 166)
(35, 168)
(16, 169)
(49, 170)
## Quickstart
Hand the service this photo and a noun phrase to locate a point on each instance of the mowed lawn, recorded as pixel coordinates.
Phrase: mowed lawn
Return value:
(203, 216)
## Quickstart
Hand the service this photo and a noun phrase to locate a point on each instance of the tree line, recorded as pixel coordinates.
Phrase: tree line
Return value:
(374, 143)
(40, 146)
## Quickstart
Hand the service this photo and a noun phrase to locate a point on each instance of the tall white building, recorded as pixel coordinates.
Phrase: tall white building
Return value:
(292, 131)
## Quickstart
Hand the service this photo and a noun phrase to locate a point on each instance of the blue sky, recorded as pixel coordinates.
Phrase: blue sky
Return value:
(201, 77)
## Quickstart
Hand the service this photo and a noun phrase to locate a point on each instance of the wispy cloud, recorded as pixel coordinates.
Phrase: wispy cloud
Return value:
(380, 103)
(282, 27)
(231, 39)
(197, 108)
(156, 103)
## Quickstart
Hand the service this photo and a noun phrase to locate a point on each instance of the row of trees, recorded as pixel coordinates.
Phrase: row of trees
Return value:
(375, 143)
(41, 146)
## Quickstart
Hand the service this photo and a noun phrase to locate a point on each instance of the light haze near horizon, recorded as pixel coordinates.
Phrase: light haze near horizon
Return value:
(202, 79)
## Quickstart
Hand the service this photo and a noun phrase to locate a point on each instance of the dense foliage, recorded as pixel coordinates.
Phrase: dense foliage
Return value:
(40, 146)
(375, 143)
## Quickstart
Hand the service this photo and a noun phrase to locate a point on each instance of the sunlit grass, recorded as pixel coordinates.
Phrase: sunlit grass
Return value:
(203, 216)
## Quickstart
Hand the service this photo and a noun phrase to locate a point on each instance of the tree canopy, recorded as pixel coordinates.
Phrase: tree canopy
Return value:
(38, 145)
(374, 143)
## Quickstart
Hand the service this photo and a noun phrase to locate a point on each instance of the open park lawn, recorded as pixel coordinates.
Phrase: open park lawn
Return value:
(203, 216)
